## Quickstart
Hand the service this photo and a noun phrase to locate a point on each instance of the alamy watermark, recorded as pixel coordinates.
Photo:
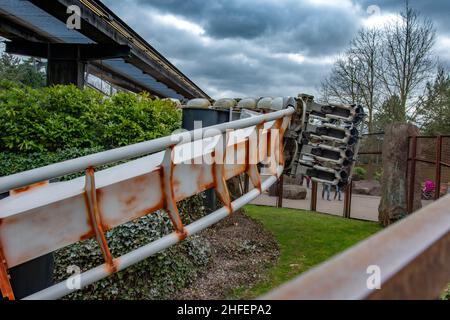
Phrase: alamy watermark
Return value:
(74, 281)
(74, 20)
(373, 282)
(373, 10)
(233, 147)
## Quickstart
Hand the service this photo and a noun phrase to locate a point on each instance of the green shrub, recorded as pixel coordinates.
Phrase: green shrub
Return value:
(359, 173)
(12, 162)
(379, 175)
(63, 117)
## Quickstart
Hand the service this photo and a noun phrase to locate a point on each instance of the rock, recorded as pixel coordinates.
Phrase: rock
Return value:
(393, 204)
(290, 191)
(297, 180)
(361, 190)
(366, 187)
(294, 192)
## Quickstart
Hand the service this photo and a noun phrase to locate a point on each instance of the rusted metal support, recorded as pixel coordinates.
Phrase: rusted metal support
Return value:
(348, 200)
(5, 283)
(408, 260)
(280, 192)
(349, 213)
(313, 205)
(86, 278)
(246, 183)
(437, 193)
(95, 218)
(412, 178)
(220, 183)
(170, 204)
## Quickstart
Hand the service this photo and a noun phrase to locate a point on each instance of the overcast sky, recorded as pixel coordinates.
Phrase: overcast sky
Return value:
(237, 48)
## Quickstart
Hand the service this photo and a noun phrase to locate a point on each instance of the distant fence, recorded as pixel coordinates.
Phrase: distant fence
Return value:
(428, 159)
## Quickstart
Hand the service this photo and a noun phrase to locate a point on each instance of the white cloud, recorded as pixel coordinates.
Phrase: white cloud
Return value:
(179, 23)
(380, 20)
(443, 47)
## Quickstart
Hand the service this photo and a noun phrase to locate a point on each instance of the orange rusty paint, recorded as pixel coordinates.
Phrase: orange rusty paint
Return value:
(5, 284)
(112, 267)
(130, 201)
(182, 235)
(99, 197)
(30, 187)
(87, 235)
(161, 182)
(95, 220)
(174, 215)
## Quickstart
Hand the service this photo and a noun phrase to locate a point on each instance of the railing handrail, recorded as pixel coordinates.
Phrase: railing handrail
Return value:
(59, 169)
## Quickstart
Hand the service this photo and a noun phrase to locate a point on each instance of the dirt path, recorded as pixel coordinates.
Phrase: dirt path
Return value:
(242, 252)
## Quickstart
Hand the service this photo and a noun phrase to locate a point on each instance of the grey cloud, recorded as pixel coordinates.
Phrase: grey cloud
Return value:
(245, 54)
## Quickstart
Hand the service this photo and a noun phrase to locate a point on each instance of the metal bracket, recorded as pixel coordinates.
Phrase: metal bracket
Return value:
(170, 204)
(95, 218)
(5, 284)
(220, 184)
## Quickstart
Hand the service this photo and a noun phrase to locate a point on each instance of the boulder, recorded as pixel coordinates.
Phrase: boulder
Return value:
(294, 192)
(297, 180)
(361, 190)
(366, 187)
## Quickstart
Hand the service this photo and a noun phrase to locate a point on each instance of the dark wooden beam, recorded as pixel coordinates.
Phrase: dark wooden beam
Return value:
(68, 51)
(105, 27)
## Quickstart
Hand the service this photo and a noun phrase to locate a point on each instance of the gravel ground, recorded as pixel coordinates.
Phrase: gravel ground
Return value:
(241, 253)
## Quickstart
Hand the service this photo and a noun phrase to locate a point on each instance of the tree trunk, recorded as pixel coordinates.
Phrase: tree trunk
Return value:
(393, 204)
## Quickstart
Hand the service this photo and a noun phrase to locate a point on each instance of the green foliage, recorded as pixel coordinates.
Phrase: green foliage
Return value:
(26, 72)
(446, 294)
(306, 239)
(17, 162)
(64, 117)
(434, 110)
(379, 175)
(389, 112)
(359, 173)
(154, 278)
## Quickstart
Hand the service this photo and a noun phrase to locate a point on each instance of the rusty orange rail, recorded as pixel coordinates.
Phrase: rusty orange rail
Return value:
(41, 219)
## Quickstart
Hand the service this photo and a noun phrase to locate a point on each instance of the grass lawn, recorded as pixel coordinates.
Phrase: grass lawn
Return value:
(305, 239)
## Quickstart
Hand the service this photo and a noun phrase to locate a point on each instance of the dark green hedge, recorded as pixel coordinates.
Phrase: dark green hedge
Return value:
(63, 117)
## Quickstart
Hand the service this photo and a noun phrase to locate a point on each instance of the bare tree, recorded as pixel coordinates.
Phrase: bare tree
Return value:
(365, 49)
(407, 57)
(342, 84)
(354, 77)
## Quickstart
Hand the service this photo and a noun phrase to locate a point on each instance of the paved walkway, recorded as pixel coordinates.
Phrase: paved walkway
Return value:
(363, 207)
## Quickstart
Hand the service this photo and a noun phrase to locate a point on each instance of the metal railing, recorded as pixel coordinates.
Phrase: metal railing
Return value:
(413, 160)
(412, 257)
(41, 218)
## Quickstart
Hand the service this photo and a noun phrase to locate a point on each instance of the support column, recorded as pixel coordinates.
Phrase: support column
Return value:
(65, 72)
